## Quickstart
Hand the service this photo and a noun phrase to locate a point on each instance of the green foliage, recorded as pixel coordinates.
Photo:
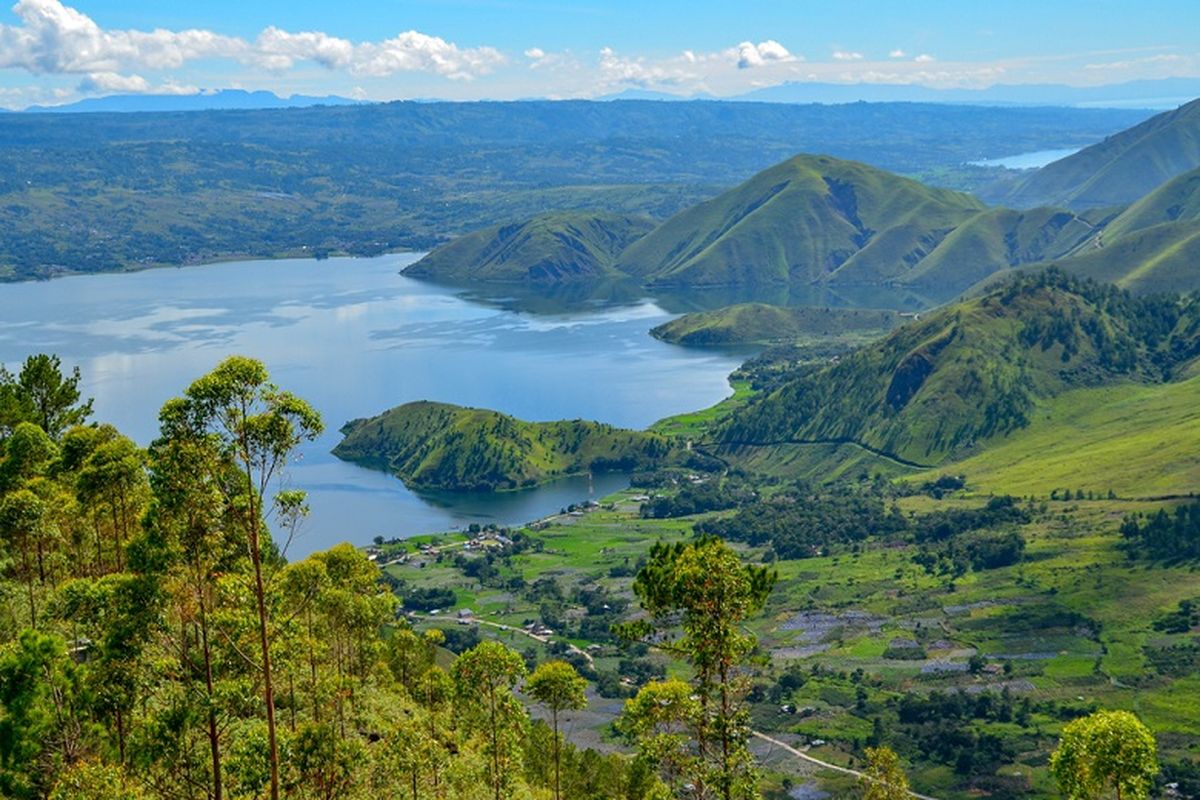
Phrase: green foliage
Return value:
(1166, 536)
(1109, 750)
(703, 589)
(883, 776)
(42, 395)
(435, 445)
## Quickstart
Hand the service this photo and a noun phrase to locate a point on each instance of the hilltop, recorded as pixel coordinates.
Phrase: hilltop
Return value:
(973, 373)
(1119, 170)
(760, 323)
(441, 446)
(545, 249)
(806, 219)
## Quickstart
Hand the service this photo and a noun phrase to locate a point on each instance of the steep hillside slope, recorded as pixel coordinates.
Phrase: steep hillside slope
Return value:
(759, 323)
(1122, 168)
(441, 446)
(998, 239)
(973, 371)
(803, 220)
(546, 249)
(1177, 200)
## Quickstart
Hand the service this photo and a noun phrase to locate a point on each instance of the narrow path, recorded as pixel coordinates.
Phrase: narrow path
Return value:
(823, 764)
(543, 639)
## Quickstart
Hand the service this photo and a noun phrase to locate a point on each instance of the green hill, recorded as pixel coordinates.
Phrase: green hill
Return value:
(548, 248)
(995, 240)
(1122, 168)
(1177, 200)
(759, 323)
(440, 446)
(804, 220)
(972, 373)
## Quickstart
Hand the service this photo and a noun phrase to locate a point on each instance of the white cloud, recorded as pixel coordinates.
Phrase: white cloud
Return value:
(414, 51)
(55, 39)
(924, 58)
(845, 55)
(112, 82)
(897, 53)
(756, 55)
(535, 53)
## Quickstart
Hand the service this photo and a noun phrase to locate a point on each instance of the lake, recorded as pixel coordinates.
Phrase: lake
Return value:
(354, 337)
(1033, 160)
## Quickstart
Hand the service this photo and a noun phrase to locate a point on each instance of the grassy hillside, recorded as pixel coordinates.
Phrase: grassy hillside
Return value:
(1132, 439)
(964, 376)
(435, 445)
(546, 249)
(802, 220)
(997, 239)
(759, 323)
(1177, 200)
(1122, 168)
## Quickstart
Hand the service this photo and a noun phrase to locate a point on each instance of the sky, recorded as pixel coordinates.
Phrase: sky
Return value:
(55, 51)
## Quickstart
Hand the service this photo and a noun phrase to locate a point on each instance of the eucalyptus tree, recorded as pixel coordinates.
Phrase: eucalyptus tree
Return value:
(484, 679)
(559, 687)
(698, 596)
(883, 776)
(257, 428)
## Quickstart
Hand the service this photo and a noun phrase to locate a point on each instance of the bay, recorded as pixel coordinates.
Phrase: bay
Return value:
(354, 337)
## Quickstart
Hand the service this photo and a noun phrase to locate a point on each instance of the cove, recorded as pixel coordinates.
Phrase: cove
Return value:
(354, 337)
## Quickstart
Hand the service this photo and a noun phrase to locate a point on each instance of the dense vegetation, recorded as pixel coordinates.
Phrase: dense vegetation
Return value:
(436, 445)
(759, 323)
(155, 642)
(973, 371)
(176, 188)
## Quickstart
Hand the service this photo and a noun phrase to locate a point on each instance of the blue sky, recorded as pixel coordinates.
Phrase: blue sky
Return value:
(58, 50)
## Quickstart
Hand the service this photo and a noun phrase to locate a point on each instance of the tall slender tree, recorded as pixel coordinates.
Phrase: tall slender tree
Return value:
(558, 687)
(257, 428)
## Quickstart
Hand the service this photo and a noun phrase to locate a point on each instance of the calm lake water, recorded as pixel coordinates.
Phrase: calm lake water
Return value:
(353, 337)
(1034, 160)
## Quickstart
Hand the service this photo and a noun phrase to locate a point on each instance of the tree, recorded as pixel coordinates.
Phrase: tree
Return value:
(484, 678)
(1108, 750)
(557, 686)
(258, 428)
(698, 595)
(42, 395)
(883, 777)
(662, 720)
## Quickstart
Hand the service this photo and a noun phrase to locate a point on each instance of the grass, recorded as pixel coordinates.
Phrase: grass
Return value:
(1135, 440)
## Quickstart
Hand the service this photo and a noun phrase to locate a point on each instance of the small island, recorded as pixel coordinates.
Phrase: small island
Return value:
(762, 324)
(441, 446)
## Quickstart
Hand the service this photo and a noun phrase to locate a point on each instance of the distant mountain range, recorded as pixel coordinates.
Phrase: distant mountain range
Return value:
(224, 99)
(1123, 211)
(1164, 93)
